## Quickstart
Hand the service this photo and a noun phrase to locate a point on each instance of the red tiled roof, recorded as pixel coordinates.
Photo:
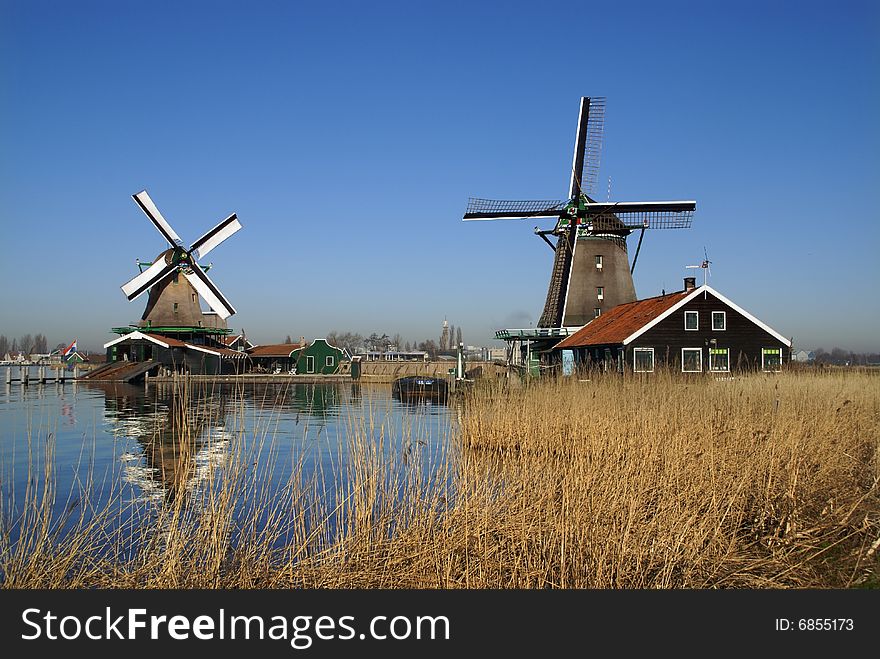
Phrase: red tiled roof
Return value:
(223, 352)
(621, 321)
(174, 343)
(274, 350)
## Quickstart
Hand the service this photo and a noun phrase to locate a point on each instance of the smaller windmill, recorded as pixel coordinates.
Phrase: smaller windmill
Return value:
(174, 302)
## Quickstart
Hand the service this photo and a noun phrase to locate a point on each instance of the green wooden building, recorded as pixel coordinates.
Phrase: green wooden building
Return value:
(319, 357)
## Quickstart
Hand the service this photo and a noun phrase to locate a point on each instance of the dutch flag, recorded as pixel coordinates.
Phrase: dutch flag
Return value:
(69, 350)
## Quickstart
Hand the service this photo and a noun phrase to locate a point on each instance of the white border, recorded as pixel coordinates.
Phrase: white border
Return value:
(766, 370)
(712, 321)
(700, 350)
(136, 335)
(635, 370)
(691, 329)
(705, 287)
(718, 370)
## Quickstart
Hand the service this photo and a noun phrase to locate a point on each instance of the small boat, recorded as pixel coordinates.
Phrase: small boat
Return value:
(419, 387)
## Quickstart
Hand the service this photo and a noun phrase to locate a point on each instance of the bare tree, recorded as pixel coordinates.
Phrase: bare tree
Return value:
(4, 345)
(397, 342)
(458, 340)
(430, 347)
(41, 344)
(451, 345)
(25, 344)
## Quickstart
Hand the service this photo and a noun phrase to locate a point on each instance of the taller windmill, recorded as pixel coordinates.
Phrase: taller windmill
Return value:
(591, 269)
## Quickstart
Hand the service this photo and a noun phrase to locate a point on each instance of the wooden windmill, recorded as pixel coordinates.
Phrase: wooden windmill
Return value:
(591, 268)
(174, 299)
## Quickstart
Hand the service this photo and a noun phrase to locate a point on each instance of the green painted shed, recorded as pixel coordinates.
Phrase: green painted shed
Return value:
(319, 357)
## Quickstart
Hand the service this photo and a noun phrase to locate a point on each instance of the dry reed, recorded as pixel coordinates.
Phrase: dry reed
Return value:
(616, 482)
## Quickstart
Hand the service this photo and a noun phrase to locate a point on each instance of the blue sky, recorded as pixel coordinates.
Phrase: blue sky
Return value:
(348, 136)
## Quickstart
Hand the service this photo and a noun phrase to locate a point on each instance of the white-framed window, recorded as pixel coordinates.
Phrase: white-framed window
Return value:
(692, 320)
(600, 292)
(328, 361)
(597, 312)
(692, 360)
(719, 359)
(598, 261)
(643, 360)
(310, 363)
(719, 321)
(771, 359)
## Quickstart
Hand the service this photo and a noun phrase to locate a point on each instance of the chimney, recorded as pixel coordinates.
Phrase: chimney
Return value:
(690, 283)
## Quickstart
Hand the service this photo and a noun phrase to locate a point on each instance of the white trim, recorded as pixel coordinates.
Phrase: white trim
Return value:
(575, 183)
(136, 335)
(635, 370)
(212, 351)
(568, 283)
(688, 298)
(602, 204)
(719, 370)
(764, 368)
(328, 361)
(691, 329)
(310, 358)
(724, 323)
(700, 351)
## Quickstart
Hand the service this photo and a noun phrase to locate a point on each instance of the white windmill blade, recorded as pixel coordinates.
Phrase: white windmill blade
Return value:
(149, 277)
(215, 236)
(149, 208)
(209, 292)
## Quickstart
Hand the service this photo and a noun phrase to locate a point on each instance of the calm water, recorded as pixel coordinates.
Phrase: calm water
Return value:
(116, 444)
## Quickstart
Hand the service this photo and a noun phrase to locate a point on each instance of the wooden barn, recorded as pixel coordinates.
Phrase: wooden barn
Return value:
(319, 357)
(693, 331)
(174, 354)
(273, 357)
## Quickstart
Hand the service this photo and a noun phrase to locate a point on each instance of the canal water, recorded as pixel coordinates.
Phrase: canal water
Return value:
(136, 448)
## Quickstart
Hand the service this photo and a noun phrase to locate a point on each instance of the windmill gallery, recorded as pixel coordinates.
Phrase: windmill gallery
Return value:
(591, 316)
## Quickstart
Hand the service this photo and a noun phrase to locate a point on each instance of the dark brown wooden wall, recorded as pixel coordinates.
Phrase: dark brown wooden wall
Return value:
(744, 338)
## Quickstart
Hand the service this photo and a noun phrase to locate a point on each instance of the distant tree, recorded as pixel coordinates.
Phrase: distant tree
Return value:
(14, 346)
(407, 347)
(451, 345)
(41, 344)
(458, 335)
(350, 341)
(26, 343)
(430, 347)
(288, 339)
(4, 345)
(839, 356)
(397, 342)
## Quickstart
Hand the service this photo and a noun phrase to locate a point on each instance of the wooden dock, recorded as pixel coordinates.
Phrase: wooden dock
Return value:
(45, 375)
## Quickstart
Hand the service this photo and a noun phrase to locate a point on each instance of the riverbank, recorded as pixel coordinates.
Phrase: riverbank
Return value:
(765, 481)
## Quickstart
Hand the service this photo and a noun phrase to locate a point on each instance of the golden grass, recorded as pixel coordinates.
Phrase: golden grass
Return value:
(661, 482)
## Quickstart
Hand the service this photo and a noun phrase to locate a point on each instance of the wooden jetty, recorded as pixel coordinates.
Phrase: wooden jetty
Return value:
(44, 375)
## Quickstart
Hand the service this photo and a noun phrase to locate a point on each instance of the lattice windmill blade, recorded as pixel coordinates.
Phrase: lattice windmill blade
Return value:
(148, 278)
(209, 291)
(149, 208)
(215, 236)
(640, 215)
(493, 209)
(587, 147)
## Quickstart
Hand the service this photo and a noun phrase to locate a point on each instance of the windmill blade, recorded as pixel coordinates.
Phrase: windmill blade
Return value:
(587, 147)
(493, 209)
(149, 208)
(215, 236)
(640, 215)
(209, 292)
(148, 278)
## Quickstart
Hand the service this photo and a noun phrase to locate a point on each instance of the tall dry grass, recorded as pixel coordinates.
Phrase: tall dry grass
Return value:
(662, 482)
